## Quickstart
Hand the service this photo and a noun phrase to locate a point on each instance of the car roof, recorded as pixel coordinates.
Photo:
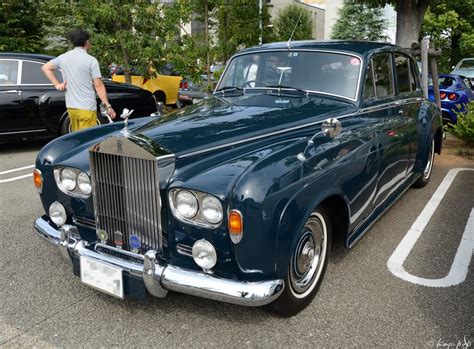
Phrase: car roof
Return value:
(361, 48)
(22, 55)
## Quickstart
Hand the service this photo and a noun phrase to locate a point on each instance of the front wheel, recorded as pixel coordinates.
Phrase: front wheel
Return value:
(425, 177)
(307, 265)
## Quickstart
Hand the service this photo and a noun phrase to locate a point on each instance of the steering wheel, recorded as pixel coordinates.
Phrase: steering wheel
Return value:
(250, 81)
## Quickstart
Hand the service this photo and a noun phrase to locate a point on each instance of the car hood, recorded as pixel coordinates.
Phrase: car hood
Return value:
(219, 122)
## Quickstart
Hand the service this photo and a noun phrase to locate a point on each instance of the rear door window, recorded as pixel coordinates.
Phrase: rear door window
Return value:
(31, 74)
(383, 75)
(404, 80)
(8, 72)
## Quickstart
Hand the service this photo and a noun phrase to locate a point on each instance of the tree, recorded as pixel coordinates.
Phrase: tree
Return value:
(21, 26)
(450, 25)
(287, 20)
(359, 22)
(132, 33)
(410, 15)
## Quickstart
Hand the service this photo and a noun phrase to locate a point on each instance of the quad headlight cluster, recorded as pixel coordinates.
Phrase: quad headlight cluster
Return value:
(196, 207)
(73, 182)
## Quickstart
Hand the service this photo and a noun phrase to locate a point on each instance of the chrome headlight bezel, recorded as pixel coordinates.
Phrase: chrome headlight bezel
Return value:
(199, 219)
(77, 191)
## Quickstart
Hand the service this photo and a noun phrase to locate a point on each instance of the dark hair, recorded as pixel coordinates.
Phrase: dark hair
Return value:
(78, 37)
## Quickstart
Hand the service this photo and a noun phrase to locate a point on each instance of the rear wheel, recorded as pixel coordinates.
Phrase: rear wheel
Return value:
(160, 96)
(425, 177)
(307, 265)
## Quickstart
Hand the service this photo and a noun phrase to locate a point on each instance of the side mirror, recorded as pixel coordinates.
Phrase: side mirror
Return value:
(331, 127)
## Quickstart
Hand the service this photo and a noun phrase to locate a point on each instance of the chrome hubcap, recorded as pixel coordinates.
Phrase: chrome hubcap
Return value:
(308, 258)
(429, 165)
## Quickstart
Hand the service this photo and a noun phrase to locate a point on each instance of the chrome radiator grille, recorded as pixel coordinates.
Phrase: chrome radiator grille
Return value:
(127, 199)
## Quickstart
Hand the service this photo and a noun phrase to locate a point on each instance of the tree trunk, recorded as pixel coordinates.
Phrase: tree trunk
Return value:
(208, 46)
(410, 15)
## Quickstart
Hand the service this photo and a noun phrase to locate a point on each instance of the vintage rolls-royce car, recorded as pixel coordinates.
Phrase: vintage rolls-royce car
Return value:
(238, 198)
(30, 106)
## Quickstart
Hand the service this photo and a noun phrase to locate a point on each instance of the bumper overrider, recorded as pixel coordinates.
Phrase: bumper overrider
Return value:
(158, 278)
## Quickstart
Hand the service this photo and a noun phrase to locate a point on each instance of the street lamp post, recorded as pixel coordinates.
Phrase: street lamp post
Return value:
(260, 26)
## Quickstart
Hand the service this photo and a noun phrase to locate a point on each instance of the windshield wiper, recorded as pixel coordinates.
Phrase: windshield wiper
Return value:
(279, 87)
(229, 89)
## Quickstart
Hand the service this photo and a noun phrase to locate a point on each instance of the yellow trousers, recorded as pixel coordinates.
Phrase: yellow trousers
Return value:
(81, 119)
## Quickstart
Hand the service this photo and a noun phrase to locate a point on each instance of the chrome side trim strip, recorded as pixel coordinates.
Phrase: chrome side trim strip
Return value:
(28, 131)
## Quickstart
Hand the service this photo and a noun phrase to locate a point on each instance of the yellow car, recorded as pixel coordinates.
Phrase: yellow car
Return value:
(164, 87)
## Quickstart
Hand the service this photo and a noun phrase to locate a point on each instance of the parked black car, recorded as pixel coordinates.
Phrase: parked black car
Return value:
(30, 106)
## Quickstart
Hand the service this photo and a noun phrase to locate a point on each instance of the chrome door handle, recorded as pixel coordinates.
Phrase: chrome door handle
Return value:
(11, 91)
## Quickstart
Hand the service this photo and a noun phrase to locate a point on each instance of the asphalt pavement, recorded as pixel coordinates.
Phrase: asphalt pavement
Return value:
(361, 303)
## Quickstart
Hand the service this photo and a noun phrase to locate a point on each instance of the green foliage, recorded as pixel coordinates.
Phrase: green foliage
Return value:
(464, 128)
(450, 25)
(286, 21)
(21, 26)
(359, 22)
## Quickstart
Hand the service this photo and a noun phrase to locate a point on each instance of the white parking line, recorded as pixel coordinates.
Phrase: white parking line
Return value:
(16, 169)
(460, 266)
(15, 178)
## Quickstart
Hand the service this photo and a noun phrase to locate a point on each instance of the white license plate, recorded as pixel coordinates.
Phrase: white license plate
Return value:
(102, 276)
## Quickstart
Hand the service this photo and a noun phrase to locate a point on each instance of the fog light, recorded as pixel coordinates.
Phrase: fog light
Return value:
(57, 213)
(204, 254)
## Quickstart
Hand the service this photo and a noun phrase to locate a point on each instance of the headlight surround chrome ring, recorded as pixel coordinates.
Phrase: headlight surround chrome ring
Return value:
(73, 182)
(206, 211)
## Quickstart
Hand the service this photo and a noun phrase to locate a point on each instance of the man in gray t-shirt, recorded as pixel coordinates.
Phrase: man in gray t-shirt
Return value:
(81, 75)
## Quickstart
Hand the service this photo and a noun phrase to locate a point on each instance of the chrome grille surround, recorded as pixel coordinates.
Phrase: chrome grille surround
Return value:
(126, 194)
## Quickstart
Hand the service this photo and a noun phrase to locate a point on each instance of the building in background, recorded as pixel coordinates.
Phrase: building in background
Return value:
(317, 13)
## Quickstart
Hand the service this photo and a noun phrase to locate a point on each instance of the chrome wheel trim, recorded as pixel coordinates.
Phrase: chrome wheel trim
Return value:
(429, 165)
(307, 261)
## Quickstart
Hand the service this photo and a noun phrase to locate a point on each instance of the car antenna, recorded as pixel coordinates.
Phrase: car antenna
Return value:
(288, 44)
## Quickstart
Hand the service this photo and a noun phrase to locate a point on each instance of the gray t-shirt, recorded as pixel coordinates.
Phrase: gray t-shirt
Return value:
(79, 69)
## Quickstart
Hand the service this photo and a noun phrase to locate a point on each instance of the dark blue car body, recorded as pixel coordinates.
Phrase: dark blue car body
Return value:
(461, 90)
(244, 148)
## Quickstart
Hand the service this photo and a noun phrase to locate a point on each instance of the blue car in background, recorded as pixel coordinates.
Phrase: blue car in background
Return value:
(455, 92)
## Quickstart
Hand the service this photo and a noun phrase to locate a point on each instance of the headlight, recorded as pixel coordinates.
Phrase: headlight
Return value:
(57, 213)
(68, 179)
(212, 209)
(84, 183)
(204, 254)
(186, 204)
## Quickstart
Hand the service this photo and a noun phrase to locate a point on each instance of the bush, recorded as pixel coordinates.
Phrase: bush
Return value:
(464, 128)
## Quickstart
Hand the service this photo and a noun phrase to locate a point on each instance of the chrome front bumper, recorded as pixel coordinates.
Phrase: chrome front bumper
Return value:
(159, 279)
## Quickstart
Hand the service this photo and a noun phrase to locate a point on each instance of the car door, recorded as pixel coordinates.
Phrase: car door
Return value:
(11, 105)
(391, 134)
(409, 103)
(34, 86)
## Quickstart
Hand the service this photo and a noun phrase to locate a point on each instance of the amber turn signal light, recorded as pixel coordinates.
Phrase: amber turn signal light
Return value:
(38, 180)
(235, 225)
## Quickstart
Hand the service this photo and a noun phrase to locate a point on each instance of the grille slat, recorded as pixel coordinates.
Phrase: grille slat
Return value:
(126, 198)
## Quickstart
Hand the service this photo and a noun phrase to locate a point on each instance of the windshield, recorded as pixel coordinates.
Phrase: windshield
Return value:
(330, 73)
(467, 64)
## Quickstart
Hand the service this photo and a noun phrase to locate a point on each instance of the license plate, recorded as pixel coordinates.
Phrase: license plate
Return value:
(102, 277)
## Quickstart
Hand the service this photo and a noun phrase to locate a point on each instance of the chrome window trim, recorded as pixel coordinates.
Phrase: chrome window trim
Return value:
(28, 131)
(303, 50)
(18, 73)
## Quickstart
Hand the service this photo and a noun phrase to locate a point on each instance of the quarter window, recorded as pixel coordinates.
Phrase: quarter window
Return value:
(403, 74)
(383, 76)
(369, 87)
(8, 72)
